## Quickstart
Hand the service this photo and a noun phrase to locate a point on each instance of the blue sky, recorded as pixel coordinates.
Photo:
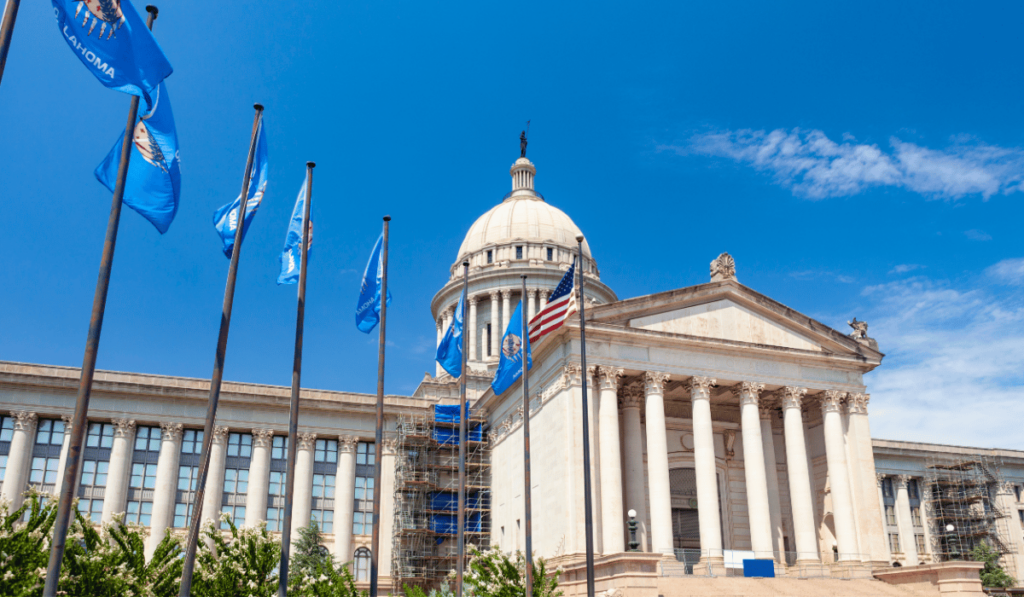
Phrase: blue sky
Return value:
(857, 159)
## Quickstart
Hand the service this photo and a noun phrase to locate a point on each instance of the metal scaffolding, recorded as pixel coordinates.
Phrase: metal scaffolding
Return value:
(426, 495)
(962, 509)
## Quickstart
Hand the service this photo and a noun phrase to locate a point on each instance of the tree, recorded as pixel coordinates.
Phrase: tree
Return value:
(992, 575)
(25, 547)
(309, 553)
(312, 571)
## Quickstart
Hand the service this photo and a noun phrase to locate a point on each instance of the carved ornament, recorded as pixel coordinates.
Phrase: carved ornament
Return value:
(608, 378)
(262, 438)
(171, 431)
(123, 428)
(832, 401)
(220, 434)
(792, 397)
(723, 268)
(631, 395)
(347, 444)
(748, 392)
(24, 420)
(700, 387)
(857, 403)
(306, 441)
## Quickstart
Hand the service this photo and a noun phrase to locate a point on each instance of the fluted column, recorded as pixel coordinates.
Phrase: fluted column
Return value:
(259, 477)
(905, 521)
(344, 501)
(633, 454)
(506, 312)
(302, 503)
(213, 497)
(758, 510)
(657, 464)
(120, 466)
(387, 504)
(870, 518)
(705, 469)
(472, 331)
(771, 468)
(19, 458)
(801, 498)
(63, 453)
(531, 303)
(496, 330)
(612, 516)
(166, 485)
(839, 475)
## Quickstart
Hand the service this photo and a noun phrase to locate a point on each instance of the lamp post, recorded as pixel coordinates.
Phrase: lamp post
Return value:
(634, 545)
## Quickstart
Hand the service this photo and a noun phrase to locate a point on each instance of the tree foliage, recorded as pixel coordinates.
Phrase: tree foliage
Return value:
(493, 573)
(243, 564)
(992, 575)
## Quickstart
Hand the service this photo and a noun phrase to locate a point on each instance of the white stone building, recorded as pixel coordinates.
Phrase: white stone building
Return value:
(726, 420)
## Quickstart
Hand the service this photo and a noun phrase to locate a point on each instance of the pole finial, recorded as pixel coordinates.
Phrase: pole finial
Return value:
(465, 263)
(523, 276)
(311, 164)
(153, 10)
(579, 238)
(387, 218)
(258, 107)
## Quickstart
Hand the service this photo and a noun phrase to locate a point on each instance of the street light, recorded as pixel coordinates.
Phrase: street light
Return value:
(634, 545)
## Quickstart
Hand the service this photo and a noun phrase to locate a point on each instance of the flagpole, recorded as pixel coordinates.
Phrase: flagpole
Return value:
(528, 518)
(293, 414)
(379, 435)
(460, 531)
(92, 344)
(218, 367)
(588, 508)
(6, 31)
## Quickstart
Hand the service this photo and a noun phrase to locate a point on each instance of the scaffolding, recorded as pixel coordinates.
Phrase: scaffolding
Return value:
(963, 511)
(426, 495)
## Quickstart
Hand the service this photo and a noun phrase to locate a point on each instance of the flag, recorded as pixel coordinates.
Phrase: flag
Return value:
(449, 352)
(560, 306)
(225, 219)
(153, 183)
(368, 308)
(122, 54)
(291, 256)
(510, 368)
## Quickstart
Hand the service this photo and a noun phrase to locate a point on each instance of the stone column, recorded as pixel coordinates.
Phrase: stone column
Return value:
(387, 504)
(772, 470)
(496, 332)
(904, 521)
(593, 404)
(613, 522)
(213, 497)
(633, 454)
(344, 498)
(870, 517)
(63, 453)
(259, 477)
(438, 370)
(839, 475)
(116, 493)
(302, 503)
(543, 299)
(880, 478)
(506, 313)
(657, 463)
(166, 485)
(801, 498)
(704, 469)
(531, 303)
(19, 459)
(472, 331)
(758, 509)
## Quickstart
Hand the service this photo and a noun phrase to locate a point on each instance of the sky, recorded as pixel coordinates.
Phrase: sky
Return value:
(857, 159)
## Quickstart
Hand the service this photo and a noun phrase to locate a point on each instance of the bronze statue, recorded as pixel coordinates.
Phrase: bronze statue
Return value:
(522, 145)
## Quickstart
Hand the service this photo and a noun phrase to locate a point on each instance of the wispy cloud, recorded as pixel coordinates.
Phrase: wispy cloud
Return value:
(811, 274)
(1008, 271)
(814, 166)
(905, 267)
(976, 234)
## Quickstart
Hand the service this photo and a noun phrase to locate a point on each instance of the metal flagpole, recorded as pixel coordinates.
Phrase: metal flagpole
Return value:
(588, 507)
(92, 345)
(460, 518)
(218, 368)
(7, 30)
(528, 517)
(379, 436)
(293, 414)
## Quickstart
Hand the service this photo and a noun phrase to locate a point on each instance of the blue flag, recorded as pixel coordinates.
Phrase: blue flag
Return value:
(510, 368)
(449, 352)
(153, 183)
(225, 219)
(368, 308)
(291, 256)
(113, 42)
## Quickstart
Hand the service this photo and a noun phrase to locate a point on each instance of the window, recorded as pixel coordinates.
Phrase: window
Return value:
(50, 432)
(325, 466)
(142, 482)
(1016, 490)
(44, 471)
(915, 515)
(46, 454)
(894, 543)
(362, 565)
(890, 516)
(487, 344)
(490, 256)
(887, 487)
(94, 482)
(1020, 513)
(188, 476)
(191, 442)
(279, 451)
(519, 252)
(100, 435)
(919, 540)
(362, 517)
(912, 491)
(6, 434)
(551, 254)
(91, 510)
(236, 478)
(276, 488)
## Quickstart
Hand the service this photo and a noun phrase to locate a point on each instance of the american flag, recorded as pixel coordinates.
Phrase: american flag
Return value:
(560, 306)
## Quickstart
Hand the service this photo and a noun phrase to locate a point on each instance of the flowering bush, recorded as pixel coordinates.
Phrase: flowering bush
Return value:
(242, 565)
(312, 571)
(25, 546)
(493, 573)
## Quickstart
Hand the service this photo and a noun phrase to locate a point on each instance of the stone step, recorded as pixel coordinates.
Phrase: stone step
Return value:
(783, 587)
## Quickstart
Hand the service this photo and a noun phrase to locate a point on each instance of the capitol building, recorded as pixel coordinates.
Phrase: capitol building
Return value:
(728, 424)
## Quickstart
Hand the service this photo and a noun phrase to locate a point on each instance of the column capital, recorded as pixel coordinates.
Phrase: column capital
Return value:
(306, 441)
(506, 293)
(171, 431)
(24, 420)
(901, 480)
(880, 478)
(749, 392)
(123, 427)
(440, 323)
(494, 295)
(631, 395)
(832, 401)
(68, 420)
(220, 433)
(262, 438)
(608, 377)
(700, 387)
(347, 443)
(792, 397)
(654, 382)
(473, 298)
(572, 375)
(857, 403)
(531, 292)
(766, 407)
(390, 447)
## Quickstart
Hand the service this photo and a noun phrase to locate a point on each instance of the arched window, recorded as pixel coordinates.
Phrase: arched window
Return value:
(362, 565)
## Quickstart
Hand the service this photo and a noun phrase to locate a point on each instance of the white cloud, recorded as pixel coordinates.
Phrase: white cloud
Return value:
(816, 167)
(905, 267)
(975, 234)
(954, 366)
(1008, 271)
(811, 274)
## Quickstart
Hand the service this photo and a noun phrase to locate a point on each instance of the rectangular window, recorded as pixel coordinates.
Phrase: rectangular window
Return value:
(1017, 490)
(6, 429)
(326, 450)
(915, 516)
(276, 488)
(890, 516)
(192, 441)
(147, 439)
(519, 252)
(188, 476)
(325, 466)
(912, 491)
(362, 519)
(44, 471)
(551, 254)
(279, 451)
(919, 539)
(894, 543)
(240, 444)
(1020, 513)
(101, 435)
(236, 478)
(487, 345)
(92, 510)
(142, 481)
(887, 487)
(50, 432)
(139, 513)
(95, 466)
(490, 256)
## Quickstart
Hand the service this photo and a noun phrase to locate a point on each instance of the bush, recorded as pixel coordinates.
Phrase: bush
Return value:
(25, 546)
(496, 574)
(992, 575)
(242, 565)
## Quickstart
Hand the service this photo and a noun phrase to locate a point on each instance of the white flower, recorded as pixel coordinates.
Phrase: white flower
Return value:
(41, 572)
(9, 575)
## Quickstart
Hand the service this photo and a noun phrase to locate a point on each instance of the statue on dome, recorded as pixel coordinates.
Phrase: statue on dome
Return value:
(522, 145)
(860, 329)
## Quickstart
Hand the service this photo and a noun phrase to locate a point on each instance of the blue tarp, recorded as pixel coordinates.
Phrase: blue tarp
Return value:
(449, 500)
(450, 437)
(759, 568)
(448, 414)
(448, 524)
